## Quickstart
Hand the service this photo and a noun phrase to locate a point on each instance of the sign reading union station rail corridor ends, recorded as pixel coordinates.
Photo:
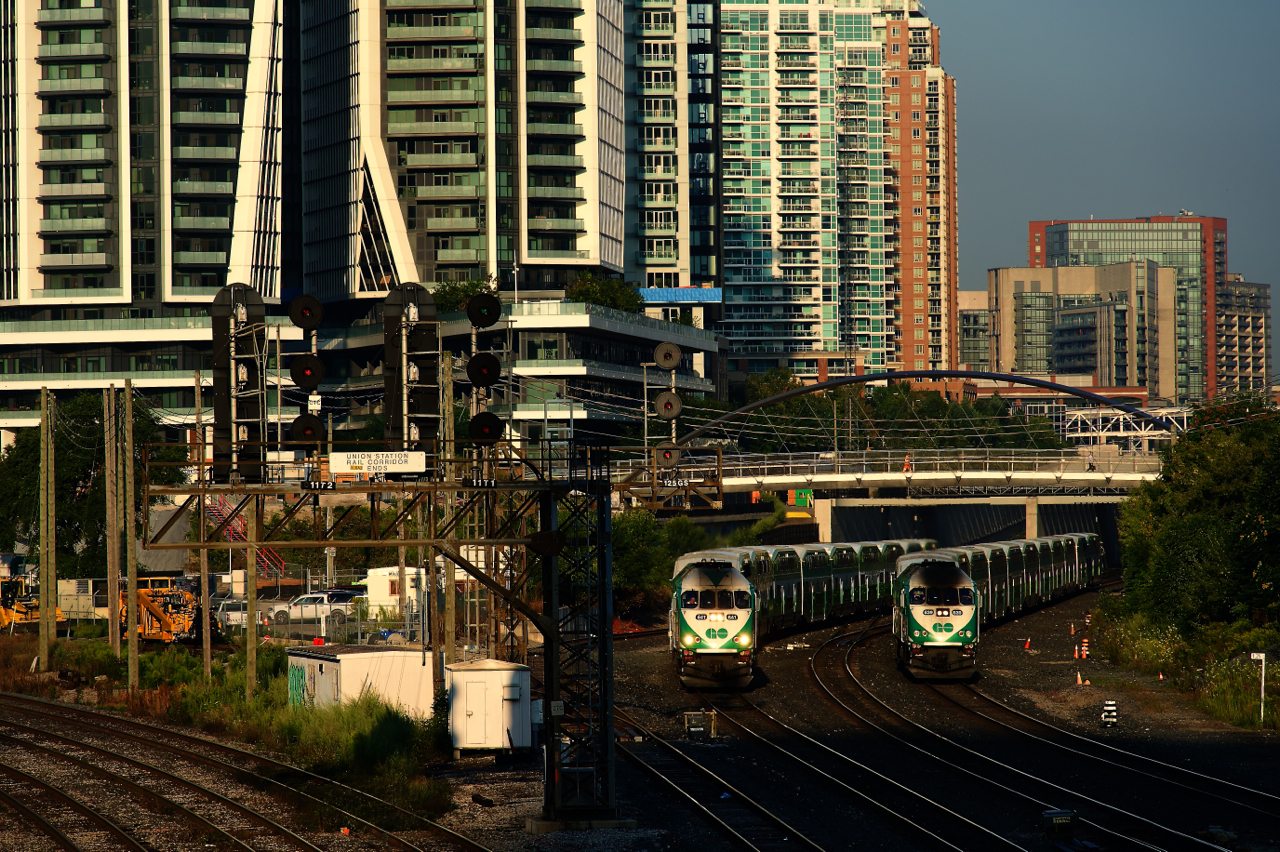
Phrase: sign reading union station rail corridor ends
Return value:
(407, 462)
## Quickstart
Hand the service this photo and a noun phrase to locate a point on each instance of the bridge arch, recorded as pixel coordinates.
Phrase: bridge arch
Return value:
(1168, 426)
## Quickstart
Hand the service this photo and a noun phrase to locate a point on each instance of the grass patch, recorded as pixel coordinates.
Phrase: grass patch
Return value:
(365, 743)
(1209, 662)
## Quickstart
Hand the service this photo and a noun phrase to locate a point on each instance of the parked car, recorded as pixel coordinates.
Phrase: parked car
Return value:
(336, 605)
(231, 612)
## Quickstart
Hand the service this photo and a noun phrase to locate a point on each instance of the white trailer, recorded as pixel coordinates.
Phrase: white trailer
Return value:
(320, 675)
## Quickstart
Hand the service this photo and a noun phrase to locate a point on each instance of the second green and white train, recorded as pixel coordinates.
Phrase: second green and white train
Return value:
(725, 602)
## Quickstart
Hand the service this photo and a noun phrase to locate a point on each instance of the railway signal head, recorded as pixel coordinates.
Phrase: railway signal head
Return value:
(668, 455)
(667, 356)
(307, 371)
(483, 310)
(306, 312)
(486, 427)
(668, 405)
(484, 369)
(307, 429)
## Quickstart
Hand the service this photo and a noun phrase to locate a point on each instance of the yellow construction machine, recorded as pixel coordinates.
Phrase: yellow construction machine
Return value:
(20, 606)
(168, 609)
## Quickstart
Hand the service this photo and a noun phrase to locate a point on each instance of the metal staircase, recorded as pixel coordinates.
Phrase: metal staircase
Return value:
(269, 561)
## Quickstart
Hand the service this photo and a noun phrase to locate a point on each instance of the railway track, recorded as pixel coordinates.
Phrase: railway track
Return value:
(32, 798)
(743, 821)
(197, 750)
(1137, 831)
(1199, 783)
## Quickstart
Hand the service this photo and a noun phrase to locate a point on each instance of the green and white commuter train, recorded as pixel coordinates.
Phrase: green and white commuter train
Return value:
(724, 601)
(942, 598)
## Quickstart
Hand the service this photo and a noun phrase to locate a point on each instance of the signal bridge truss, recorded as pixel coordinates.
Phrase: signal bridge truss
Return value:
(537, 520)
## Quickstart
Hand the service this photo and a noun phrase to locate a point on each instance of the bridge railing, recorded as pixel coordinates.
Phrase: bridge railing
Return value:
(761, 466)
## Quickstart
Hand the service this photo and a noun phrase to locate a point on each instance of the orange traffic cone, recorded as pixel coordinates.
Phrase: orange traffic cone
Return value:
(1086, 683)
(1162, 675)
(1027, 647)
(1078, 681)
(1077, 652)
(1073, 628)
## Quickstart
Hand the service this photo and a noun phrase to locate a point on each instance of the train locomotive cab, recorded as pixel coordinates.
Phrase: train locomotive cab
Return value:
(936, 616)
(712, 624)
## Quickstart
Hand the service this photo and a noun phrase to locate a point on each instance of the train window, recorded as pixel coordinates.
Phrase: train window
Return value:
(947, 596)
(966, 597)
(742, 600)
(689, 600)
(724, 599)
(707, 600)
(917, 597)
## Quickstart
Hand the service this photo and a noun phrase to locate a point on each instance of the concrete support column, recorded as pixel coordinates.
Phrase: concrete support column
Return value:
(822, 516)
(1033, 517)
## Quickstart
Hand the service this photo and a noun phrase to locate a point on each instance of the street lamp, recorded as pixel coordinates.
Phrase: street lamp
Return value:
(1262, 692)
(644, 366)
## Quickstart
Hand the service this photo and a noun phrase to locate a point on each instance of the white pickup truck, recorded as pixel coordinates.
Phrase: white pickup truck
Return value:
(229, 613)
(334, 605)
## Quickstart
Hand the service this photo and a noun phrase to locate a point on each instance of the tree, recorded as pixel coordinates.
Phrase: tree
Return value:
(80, 485)
(451, 296)
(596, 288)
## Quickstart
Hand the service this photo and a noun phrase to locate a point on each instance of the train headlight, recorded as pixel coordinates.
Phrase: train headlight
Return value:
(743, 639)
(915, 632)
(688, 639)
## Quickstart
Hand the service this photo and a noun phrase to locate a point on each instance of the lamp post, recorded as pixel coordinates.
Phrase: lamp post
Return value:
(1262, 691)
(644, 366)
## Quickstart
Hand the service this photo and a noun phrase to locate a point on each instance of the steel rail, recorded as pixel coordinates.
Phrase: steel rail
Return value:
(130, 785)
(1091, 741)
(858, 793)
(47, 828)
(235, 751)
(738, 796)
(1028, 775)
(125, 839)
(862, 718)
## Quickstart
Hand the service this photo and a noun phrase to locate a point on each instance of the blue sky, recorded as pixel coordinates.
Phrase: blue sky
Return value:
(1115, 108)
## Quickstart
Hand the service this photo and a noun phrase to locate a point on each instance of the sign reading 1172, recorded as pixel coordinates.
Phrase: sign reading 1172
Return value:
(403, 462)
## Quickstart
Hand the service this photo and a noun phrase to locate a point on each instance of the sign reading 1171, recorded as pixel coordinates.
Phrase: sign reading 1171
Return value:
(402, 462)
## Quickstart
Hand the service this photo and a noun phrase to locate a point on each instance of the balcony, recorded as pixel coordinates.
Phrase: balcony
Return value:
(786, 153)
(537, 224)
(566, 66)
(461, 255)
(656, 116)
(73, 119)
(406, 128)
(797, 63)
(563, 161)
(206, 84)
(660, 199)
(468, 33)
(557, 254)
(72, 190)
(204, 187)
(575, 192)
(655, 172)
(204, 152)
(458, 223)
(654, 29)
(71, 16)
(72, 155)
(66, 225)
(430, 4)
(454, 191)
(553, 4)
(545, 129)
(657, 257)
(536, 97)
(799, 189)
(455, 63)
(200, 258)
(801, 44)
(438, 159)
(74, 261)
(660, 88)
(218, 118)
(432, 96)
(647, 228)
(552, 34)
(209, 48)
(784, 117)
(73, 51)
(202, 223)
(667, 143)
(653, 4)
(662, 60)
(85, 85)
(221, 14)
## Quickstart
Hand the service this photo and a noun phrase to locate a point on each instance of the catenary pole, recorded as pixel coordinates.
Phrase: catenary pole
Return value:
(131, 537)
(111, 448)
(206, 598)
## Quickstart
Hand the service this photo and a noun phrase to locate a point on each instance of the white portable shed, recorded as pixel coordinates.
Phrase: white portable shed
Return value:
(320, 675)
(382, 588)
(488, 704)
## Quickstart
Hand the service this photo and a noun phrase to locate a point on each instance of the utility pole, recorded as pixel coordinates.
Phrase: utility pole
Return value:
(46, 522)
(111, 448)
(206, 638)
(251, 599)
(403, 585)
(424, 597)
(329, 552)
(447, 641)
(131, 536)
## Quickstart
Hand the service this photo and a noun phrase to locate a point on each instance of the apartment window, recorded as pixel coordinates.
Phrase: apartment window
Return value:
(918, 257)
(896, 31)
(917, 196)
(917, 226)
(918, 272)
(919, 331)
(893, 81)
(920, 365)
(915, 82)
(919, 241)
(915, 115)
(919, 351)
(917, 180)
(917, 211)
(915, 98)
(144, 252)
(662, 279)
(893, 99)
(896, 115)
(895, 48)
(917, 164)
(915, 133)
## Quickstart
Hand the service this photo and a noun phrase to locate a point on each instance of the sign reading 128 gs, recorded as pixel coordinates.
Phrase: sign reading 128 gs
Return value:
(406, 462)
